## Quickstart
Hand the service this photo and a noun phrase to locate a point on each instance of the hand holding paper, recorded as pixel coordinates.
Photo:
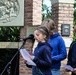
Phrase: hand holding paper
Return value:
(68, 67)
(26, 56)
(74, 71)
(32, 57)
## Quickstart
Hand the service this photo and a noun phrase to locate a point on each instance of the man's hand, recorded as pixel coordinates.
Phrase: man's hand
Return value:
(74, 71)
(25, 61)
(67, 70)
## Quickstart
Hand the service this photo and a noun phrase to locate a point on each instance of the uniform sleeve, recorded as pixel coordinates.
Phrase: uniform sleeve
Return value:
(69, 57)
(46, 62)
(72, 55)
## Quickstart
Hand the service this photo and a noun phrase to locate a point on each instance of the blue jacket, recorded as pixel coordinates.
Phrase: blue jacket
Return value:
(59, 50)
(42, 59)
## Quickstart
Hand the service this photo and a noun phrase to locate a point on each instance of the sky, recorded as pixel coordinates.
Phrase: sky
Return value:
(47, 2)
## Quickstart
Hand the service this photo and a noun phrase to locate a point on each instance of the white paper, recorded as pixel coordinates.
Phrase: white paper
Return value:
(26, 55)
(69, 67)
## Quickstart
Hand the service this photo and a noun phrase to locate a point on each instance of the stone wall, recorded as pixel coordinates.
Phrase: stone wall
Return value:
(62, 13)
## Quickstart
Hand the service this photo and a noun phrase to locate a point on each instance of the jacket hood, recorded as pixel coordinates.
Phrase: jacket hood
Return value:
(54, 35)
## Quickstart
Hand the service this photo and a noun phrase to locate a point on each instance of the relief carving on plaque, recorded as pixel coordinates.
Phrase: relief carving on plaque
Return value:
(9, 10)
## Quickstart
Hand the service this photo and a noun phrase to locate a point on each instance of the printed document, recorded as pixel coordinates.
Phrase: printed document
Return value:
(26, 55)
(69, 67)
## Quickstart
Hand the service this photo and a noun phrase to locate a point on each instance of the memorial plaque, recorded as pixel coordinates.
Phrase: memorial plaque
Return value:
(11, 12)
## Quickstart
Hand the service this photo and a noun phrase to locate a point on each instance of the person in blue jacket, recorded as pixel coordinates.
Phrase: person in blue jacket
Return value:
(59, 52)
(42, 53)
